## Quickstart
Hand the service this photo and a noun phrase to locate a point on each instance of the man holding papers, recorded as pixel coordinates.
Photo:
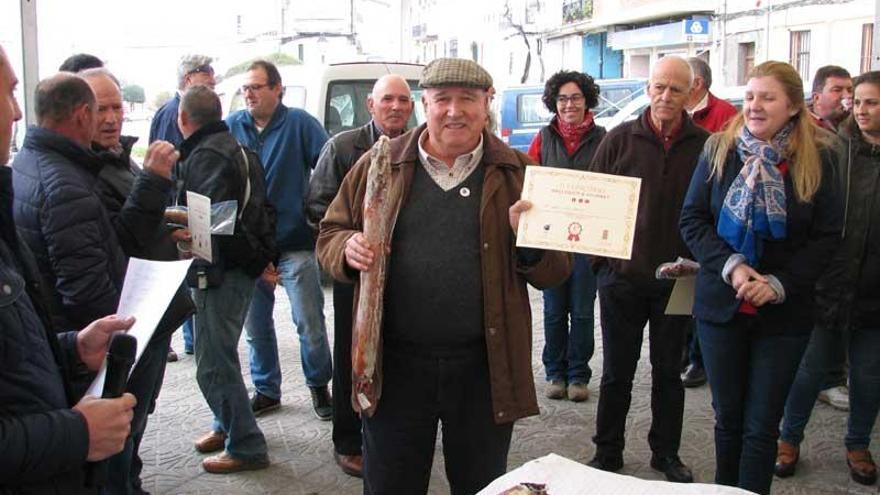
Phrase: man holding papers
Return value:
(661, 147)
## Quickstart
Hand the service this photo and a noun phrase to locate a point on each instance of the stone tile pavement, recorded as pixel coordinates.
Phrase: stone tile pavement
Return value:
(301, 450)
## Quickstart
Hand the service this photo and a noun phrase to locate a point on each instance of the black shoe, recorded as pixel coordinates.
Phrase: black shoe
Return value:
(693, 376)
(611, 464)
(260, 404)
(673, 468)
(322, 403)
(172, 356)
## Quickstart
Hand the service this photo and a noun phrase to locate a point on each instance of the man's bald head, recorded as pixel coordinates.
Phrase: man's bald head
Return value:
(669, 89)
(390, 104)
(674, 65)
(66, 104)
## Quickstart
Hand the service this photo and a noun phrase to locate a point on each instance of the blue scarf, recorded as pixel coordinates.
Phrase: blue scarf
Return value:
(754, 207)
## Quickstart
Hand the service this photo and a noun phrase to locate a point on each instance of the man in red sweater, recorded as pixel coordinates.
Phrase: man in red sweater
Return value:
(708, 111)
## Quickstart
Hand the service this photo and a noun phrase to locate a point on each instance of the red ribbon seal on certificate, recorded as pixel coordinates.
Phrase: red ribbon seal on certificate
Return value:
(574, 231)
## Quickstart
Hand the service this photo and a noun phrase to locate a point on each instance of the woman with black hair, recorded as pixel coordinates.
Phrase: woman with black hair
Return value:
(569, 141)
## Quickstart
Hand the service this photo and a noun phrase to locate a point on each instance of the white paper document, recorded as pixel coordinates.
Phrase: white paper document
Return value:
(563, 476)
(148, 289)
(199, 213)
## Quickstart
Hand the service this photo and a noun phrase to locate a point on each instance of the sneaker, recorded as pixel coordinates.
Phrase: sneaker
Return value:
(555, 390)
(578, 392)
(861, 467)
(787, 456)
(261, 404)
(836, 397)
(322, 403)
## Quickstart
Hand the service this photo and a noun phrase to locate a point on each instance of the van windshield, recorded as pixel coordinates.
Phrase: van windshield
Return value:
(347, 109)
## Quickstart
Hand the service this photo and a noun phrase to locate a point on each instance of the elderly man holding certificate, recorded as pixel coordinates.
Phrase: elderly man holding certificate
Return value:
(661, 148)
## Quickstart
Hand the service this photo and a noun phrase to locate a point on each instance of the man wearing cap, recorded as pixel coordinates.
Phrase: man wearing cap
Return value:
(456, 344)
(193, 70)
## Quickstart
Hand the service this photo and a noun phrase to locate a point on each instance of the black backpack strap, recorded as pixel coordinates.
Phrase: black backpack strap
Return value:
(246, 166)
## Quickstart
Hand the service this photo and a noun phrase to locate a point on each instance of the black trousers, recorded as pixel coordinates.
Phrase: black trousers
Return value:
(418, 392)
(625, 309)
(346, 423)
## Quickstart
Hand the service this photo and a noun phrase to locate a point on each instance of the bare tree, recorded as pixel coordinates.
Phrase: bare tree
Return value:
(521, 31)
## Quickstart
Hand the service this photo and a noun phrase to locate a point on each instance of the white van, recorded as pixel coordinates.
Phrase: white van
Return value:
(335, 94)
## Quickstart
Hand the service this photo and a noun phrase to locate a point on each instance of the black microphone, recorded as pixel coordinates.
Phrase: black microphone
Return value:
(120, 359)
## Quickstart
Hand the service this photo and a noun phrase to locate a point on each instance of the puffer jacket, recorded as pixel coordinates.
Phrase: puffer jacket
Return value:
(44, 442)
(849, 291)
(65, 224)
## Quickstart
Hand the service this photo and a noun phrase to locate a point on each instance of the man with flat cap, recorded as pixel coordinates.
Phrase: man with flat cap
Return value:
(456, 344)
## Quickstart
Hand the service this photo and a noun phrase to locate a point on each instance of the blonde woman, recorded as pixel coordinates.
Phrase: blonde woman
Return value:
(763, 217)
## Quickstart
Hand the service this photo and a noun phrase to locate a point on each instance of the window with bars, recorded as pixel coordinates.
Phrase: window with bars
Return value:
(867, 47)
(800, 53)
(746, 62)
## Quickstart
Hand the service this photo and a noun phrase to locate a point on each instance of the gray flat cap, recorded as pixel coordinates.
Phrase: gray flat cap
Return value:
(460, 72)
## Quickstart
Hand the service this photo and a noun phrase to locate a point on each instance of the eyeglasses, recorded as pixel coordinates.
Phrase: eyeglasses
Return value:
(253, 88)
(574, 99)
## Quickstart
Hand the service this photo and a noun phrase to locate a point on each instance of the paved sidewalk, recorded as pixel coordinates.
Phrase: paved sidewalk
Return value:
(301, 450)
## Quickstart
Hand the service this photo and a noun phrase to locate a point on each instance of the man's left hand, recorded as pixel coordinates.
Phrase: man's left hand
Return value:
(516, 210)
(93, 341)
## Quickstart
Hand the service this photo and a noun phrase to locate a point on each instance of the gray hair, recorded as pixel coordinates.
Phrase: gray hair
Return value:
(702, 70)
(57, 97)
(189, 64)
(682, 63)
(98, 72)
(202, 105)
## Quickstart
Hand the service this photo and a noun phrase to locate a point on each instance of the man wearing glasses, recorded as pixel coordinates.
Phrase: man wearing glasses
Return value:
(193, 70)
(289, 141)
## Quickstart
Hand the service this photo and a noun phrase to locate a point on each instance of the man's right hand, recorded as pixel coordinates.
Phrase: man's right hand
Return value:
(108, 422)
(160, 158)
(358, 252)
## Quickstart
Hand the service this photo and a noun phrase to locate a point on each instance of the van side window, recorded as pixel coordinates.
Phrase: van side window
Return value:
(530, 109)
(346, 106)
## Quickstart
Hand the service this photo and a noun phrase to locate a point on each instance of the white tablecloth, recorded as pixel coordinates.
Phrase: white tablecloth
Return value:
(566, 477)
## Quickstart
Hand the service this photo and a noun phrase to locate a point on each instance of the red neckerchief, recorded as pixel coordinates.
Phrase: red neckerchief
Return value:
(572, 134)
(668, 139)
(746, 307)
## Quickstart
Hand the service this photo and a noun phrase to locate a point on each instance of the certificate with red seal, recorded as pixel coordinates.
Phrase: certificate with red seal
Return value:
(579, 212)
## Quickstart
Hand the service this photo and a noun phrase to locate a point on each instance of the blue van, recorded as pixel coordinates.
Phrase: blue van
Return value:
(523, 113)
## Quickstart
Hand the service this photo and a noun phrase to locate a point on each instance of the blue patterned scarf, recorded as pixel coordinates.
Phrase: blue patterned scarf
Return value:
(754, 207)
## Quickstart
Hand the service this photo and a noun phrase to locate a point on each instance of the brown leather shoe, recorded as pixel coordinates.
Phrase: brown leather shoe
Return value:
(861, 467)
(787, 456)
(223, 463)
(211, 442)
(352, 465)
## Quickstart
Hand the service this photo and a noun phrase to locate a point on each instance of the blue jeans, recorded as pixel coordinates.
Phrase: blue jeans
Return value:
(300, 277)
(188, 336)
(750, 374)
(820, 360)
(567, 354)
(220, 315)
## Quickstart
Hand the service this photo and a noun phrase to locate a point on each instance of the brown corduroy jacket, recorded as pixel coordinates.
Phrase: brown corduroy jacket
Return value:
(506, 313)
